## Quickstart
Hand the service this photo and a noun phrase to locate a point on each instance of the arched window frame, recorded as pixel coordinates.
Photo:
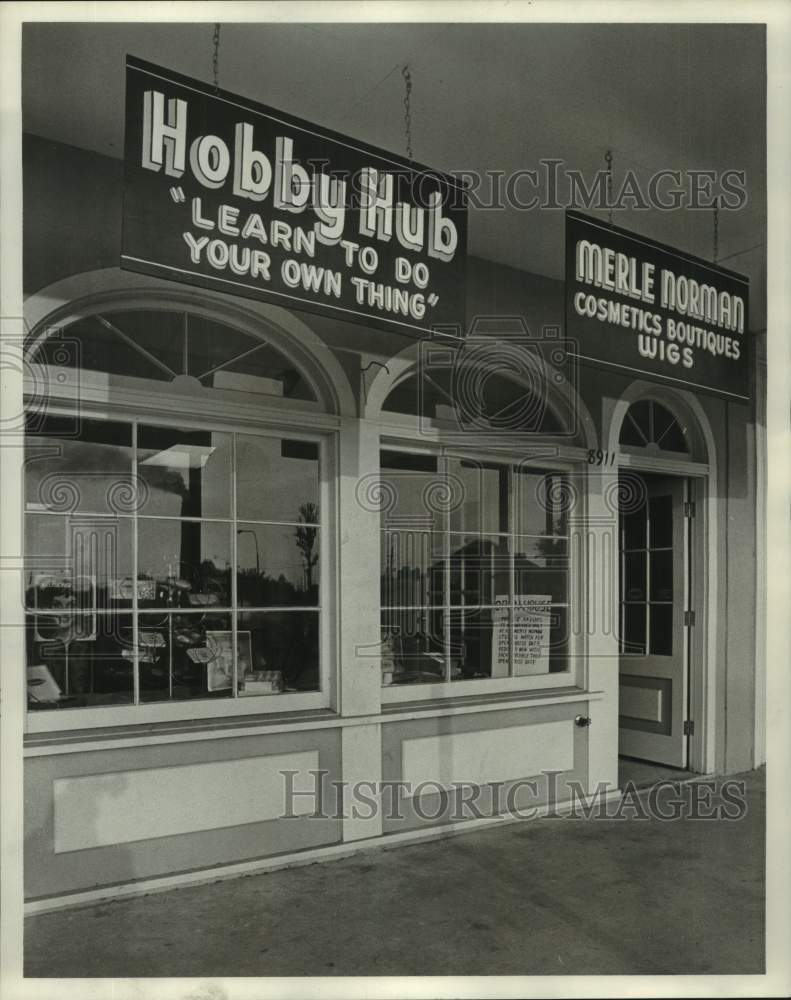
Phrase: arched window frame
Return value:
(60, 390)
(683, 406)
(564, 453)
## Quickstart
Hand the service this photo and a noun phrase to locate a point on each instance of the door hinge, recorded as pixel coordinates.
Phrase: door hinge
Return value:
(689, 508)
(689, 727)
(689, 617)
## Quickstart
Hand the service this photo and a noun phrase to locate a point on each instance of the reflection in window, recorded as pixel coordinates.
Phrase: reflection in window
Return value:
(185, 656)
(74, 464)
(282, 648)
(143, 601)
(277, 565)
(183, 563)
(277, 479)
(485, 601)
(79, 659)
(185, 473)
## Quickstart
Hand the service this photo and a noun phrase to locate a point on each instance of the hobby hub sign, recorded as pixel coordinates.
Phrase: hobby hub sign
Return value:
(228, 194)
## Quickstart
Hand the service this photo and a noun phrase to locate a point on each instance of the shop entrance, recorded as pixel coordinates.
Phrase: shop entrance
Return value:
(654, 618)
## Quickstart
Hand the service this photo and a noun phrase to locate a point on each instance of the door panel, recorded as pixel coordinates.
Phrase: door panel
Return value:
(653, 667)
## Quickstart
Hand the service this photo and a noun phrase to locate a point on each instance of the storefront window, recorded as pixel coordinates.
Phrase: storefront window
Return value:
(165, 564)
(475, 570)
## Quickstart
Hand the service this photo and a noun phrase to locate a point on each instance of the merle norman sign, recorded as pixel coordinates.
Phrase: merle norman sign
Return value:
(639, 307)
(228, 194)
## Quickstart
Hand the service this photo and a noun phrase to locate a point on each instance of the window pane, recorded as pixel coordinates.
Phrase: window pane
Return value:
(662, 576)
(674, 440)
(78, 562)
(429, 394)
(639, 417)
(634, 629)
(73, 464)
(277, 565)
(660, 512)
(472, 637)
(91, 346)
(634, 588)
(634, 528)
(185, 563)
(480, 496)
(160, 333)
(277, 479)
(186, 473)
(631, 434)
(412, 568)
(283, 645)
(559, 640)
(541, 567)
(540, 637)
(479, 569)
(542, 502)
(503, 635)
(661, 617)
(667, 432)
(79, 660)
(413, 648)
(185, 656)
(411, 487)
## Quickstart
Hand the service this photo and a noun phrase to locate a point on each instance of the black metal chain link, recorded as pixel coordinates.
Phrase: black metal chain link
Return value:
(407, 110)
(215, 62)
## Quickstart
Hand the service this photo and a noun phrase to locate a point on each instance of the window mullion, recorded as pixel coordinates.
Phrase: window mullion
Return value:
(511, 524)
(135, 602)
(446, 548)
(234, 576)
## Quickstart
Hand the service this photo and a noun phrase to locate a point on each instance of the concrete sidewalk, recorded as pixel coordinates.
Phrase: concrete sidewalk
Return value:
(563, 895)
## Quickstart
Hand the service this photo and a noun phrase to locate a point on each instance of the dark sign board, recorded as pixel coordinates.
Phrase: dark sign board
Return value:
(637, 306)
(228, 194)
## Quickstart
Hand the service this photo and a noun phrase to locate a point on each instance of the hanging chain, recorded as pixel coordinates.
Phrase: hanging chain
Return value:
(716, 234)
(407, 110)
(608, 161)
(215, 61)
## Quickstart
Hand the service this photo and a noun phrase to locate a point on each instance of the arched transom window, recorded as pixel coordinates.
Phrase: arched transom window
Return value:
(651, 425)
(165, 345)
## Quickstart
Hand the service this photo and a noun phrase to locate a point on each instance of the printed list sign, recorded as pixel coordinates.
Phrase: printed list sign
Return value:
(532, 615)
(646, 309)
(228, 194)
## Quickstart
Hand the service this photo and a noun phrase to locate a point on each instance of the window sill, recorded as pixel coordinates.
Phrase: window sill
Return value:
(61, 724)
(181, 730)
(491, 702)
(486, 688)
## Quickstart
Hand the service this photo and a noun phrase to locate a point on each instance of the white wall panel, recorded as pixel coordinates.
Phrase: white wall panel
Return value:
(641, 702)
(489, 755)
(117, 808)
